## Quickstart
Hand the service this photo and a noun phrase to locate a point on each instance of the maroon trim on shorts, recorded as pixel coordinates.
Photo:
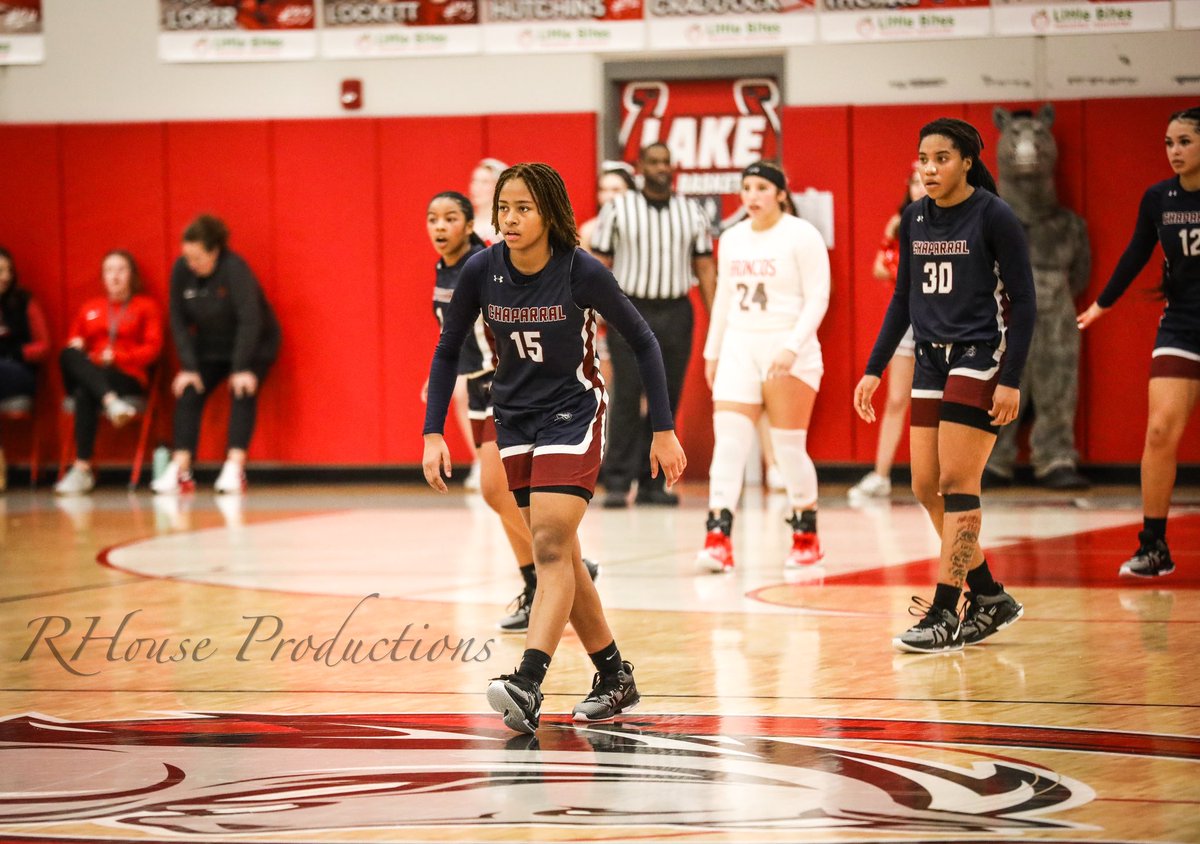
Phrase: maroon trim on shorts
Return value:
(483, 430)
(1174, 366)
(518, 468)
(924, 413)
(972, 392)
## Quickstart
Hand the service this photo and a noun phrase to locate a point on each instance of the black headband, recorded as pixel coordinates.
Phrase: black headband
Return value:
(769, 172)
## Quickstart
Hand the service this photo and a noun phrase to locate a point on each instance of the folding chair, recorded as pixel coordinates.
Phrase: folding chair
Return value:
(20, 408)
(145, 407)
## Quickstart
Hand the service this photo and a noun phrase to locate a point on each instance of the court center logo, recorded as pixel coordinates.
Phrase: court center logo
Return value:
(220, 776)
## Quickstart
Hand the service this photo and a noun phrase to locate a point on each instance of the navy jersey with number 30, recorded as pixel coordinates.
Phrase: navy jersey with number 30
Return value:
(964, 277)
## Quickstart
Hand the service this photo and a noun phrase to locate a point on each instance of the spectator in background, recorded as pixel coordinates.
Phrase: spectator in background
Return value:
(113, 342)
(481, 189)
(223, 329)
(657, 244)
(24, 340)
(616, 177)
(878, 482)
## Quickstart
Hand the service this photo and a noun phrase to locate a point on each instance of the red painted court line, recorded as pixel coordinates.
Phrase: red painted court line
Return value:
(1089, 558)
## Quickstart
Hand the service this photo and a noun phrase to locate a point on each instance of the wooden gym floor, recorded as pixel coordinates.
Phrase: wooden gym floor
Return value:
(309, 665)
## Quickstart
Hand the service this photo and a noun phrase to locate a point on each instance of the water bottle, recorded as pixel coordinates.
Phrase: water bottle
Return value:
(162, 459)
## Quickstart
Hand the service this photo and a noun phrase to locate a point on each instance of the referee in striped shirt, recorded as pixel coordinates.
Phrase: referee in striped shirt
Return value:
(658, 246)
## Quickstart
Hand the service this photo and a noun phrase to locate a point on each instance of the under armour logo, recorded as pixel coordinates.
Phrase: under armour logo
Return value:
(499, 279)
(920, 218)
(1171, 193)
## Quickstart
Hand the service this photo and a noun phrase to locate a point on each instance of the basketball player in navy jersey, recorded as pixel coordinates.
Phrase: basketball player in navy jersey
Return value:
(449, 222)
(1169, 215)
(539, 295)
(966, 286)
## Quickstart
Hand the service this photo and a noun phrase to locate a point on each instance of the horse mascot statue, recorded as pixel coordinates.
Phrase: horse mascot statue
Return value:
(1061, 258)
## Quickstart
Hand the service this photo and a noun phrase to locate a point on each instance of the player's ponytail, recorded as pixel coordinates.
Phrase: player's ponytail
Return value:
(966, 140)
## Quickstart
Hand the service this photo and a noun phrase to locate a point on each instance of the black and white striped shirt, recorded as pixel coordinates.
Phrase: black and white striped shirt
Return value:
(652, 243)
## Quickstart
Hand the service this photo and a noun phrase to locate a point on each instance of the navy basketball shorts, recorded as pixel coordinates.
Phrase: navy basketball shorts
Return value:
(1176, 350)
(553, 450)
(479, 409)
(954, 382)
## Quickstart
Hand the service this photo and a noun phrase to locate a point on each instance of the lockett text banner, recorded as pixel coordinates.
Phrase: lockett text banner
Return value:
(894, 20)
(236, 31)
(561, 26)
(21, 32)
(1020, 17)
(693, 24)
(379, 28)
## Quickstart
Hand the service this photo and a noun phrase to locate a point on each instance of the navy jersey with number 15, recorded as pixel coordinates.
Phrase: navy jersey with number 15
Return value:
(544, 329)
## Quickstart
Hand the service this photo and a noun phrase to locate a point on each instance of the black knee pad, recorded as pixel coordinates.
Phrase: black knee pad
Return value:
(956, 502)
(522, 496)
(965, 414)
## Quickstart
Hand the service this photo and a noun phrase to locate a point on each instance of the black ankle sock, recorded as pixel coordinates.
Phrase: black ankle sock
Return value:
(805, 521)
(981, 582)
(529, 573)
(945, 597)
(607, 660)
(534, 664)
(1155, 527)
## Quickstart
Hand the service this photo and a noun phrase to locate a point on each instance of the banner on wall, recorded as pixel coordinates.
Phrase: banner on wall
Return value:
(563, 26)
(897, 20)
(1187, 14)
(694, 24)
(714, 129)
(21, 40)
(1031, 17)
(352, 29)
(236, 30)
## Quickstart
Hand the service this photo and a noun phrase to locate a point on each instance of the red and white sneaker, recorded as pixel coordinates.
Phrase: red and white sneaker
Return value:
(806, 550)
(717, 554)
(173, 482)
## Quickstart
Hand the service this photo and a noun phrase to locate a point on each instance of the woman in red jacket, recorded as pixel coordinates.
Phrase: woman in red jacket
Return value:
(113, 342)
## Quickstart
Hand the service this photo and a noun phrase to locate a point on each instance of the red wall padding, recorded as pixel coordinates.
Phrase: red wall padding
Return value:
(330, 214)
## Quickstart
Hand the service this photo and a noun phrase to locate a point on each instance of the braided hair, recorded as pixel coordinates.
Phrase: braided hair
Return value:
(965, 138)
(550, 194)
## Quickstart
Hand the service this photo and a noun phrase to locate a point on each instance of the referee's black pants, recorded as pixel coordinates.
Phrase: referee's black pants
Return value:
(629, 432)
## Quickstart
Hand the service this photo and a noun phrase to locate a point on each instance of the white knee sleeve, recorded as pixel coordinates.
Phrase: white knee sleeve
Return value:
(733, 436)
(799, 473)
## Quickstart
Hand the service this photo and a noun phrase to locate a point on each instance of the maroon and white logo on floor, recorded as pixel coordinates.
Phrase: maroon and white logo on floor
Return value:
(220, 776)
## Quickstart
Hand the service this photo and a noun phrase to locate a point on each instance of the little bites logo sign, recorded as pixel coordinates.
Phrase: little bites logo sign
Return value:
(714, 128)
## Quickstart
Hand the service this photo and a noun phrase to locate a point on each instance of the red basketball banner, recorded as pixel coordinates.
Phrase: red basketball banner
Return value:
(1033, 17)
(379, 28)
(891, 20)
(236, 30)
(557, 26)
(21, 32)
(713, 127)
